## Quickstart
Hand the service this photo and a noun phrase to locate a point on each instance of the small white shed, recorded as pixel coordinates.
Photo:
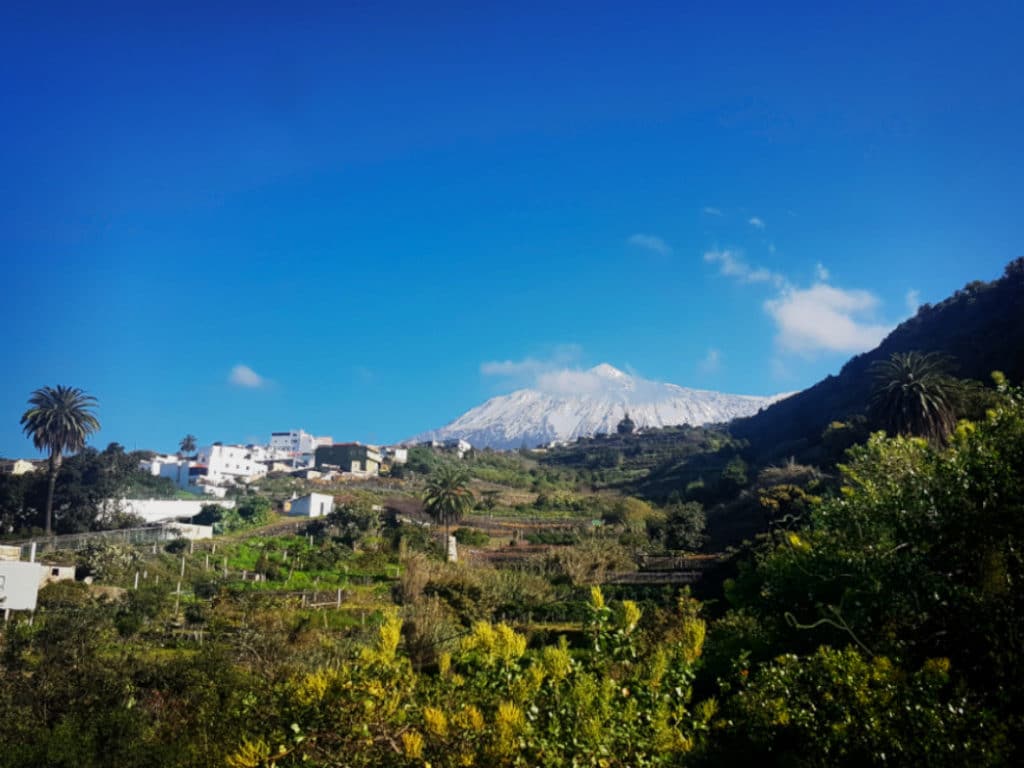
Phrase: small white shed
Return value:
(312, 505)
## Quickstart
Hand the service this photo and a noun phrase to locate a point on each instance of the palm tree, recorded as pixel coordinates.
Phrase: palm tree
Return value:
(447, 497)
(185, 447)
(59, 419)
(914, 394)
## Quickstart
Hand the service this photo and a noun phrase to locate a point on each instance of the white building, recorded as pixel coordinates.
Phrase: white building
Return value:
(17, 467)
(220, 462)
(296, 443)
(177, 470)
(396, 454)
(459, 446)
(158, 510)
(312, 505)
(52, 573)
(261, 453)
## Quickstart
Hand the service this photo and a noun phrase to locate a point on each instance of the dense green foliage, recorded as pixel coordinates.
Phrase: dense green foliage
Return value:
(248, 512)
(86, 481)
(914, 395)
(875, 620)
(447, 496)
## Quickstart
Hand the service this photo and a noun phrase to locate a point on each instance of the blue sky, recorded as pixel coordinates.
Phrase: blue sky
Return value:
(363, 219)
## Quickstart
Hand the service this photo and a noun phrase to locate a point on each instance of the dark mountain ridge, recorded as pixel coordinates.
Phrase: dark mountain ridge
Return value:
(980, 326)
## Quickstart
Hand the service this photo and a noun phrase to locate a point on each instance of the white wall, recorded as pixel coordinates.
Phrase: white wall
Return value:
(229, 461)
(297, 441)
(52, 573)
(191, 531)
(155, 510)
(176, 472)
(313, 505)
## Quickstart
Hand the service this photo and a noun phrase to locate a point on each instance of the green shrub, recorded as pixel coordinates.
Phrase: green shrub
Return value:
(471, 537)
(176, 546)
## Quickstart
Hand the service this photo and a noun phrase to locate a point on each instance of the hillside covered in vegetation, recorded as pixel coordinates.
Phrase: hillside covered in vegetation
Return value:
(980, 327)
(680, 597)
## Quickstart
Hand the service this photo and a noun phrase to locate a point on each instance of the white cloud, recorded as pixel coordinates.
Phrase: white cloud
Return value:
(913, 300)
(731, 264)
(711, 210)
(601, 380)
(822, 318)
(755, 222)
(825, 318)
(532, 367)
(711, 362)
(561, 374)
(651, 243)
(523, 367)
(244, 376)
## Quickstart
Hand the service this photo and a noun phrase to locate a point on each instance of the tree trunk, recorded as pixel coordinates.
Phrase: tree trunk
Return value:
(54, 467)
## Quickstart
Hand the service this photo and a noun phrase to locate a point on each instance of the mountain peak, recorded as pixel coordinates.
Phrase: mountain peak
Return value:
(608, 371)
(582, 403)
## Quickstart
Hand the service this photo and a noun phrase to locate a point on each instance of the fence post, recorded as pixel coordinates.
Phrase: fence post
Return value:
(338, 603)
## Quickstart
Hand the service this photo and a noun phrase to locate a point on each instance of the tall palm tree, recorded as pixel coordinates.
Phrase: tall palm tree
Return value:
(447, 497)
(914, 394)
(59, 420)
(185, 447)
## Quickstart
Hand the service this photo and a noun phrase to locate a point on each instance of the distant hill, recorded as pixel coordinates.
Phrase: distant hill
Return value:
(593, 402)
(981, 327)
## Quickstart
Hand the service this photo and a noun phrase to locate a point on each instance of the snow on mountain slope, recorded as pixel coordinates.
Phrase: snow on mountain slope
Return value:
(571, 404)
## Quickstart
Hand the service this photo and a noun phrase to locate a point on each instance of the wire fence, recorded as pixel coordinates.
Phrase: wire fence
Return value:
(144, 535)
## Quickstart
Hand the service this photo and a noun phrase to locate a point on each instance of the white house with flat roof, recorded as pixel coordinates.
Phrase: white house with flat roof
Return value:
(175, 469)
(296, 443)
(228, 462)
(396, 454)
(312, 505)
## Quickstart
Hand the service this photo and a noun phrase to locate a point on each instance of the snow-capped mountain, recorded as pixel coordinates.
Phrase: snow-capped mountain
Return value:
(571, 404)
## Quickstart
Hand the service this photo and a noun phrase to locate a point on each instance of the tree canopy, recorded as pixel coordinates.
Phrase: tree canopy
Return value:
(914, 395)
(59, 420)
(447, 496)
